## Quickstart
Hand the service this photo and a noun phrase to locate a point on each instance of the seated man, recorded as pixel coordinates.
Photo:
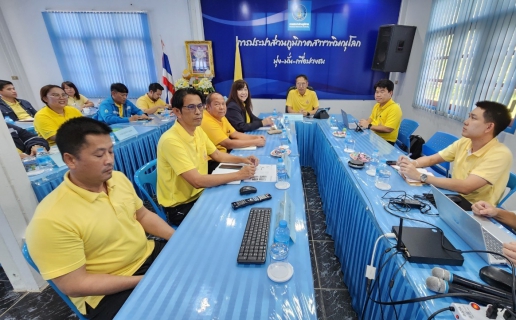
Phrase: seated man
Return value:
(508, 218)
(221, 132)
(26, 143)
(117, 109)
(151, 102)
(302, 100)
(16, 109)
(385, 119)
(88, 235)
(481, 163)
(183, 153)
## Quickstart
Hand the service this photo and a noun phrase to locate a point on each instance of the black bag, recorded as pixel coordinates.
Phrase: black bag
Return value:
(321, 114)
(416, 146)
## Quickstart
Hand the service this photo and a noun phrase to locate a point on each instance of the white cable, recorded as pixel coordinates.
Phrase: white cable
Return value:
(370, 269)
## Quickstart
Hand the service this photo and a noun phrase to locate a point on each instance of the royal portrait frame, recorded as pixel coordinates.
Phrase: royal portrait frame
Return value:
(198, 66)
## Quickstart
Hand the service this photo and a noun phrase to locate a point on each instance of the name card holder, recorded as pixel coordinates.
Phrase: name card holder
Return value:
(126, 133)
(294, 116)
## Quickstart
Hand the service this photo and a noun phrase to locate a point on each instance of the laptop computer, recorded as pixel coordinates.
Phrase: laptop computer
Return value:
(478, 232)
(345, 121)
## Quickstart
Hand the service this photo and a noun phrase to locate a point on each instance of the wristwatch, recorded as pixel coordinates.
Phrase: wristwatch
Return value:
(369, 126)
(423, 177)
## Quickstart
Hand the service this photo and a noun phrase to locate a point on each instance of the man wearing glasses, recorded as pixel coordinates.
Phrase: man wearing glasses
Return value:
(183, 158)
(117, 109)
(302, 100)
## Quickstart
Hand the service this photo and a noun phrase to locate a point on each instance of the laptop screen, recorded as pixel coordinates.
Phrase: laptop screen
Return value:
(345, 119)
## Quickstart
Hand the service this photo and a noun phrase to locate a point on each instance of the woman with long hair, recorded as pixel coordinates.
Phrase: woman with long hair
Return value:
(75, 99)
(240, 109)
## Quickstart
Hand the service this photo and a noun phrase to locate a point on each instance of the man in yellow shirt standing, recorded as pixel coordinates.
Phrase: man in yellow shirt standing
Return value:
(302, 100)
(151, 102)
(88, 235)
(16, 109)
(183, 152)
(481, 163)
(221, 132)
(385, 119)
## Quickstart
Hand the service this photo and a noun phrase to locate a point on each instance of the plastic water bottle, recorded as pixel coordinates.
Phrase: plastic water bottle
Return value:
(383, 176)
(166, 115)
(286, 123)
(333, 122)
(284, 137)
(8, 120)
(279, 250)
(43, 159)
(281, 170)
(373, 164)
(274, 114)
(112, 136)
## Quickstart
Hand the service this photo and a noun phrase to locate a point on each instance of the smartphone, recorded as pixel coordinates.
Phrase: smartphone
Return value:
(391, 163)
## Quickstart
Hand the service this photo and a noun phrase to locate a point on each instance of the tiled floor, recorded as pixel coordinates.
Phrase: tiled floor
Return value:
(332, 297)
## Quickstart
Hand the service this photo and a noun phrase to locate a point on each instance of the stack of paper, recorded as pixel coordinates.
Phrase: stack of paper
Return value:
(412, 181)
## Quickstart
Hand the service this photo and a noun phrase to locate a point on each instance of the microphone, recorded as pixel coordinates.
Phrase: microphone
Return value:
(450, 277)
(440, 286)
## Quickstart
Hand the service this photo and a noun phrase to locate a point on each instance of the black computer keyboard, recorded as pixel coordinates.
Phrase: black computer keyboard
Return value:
(253, 249)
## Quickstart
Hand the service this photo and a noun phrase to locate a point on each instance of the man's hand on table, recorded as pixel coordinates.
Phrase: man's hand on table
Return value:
(484, 209)
(408, 169)
(247, 172)
(252, 160)
(363, 123)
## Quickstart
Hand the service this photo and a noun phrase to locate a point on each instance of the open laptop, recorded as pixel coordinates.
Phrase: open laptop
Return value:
(345, 121)
(479, 232)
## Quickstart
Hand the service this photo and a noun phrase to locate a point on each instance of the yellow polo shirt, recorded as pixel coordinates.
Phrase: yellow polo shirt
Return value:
(18, 110)
(390, 116)
(492, 163)
(145, 102)
(77, 103)
(179, 152)
(47, 121)
(73, 227)
(216, 130)
(306, 102)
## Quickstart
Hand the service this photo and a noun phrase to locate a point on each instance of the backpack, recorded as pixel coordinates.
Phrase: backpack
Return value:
(416, 146)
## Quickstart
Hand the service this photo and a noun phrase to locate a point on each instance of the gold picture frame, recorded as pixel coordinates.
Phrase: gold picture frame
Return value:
(199, 55)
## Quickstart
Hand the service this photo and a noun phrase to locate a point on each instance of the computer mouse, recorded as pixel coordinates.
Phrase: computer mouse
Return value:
(247, 190)
(454, 198)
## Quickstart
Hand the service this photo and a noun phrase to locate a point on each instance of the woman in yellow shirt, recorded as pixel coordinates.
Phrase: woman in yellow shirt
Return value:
(75, 99)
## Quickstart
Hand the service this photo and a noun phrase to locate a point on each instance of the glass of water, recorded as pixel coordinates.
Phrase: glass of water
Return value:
(383, 178)
(349, 145)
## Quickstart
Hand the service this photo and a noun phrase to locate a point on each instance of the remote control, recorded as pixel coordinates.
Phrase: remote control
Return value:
(250, 201)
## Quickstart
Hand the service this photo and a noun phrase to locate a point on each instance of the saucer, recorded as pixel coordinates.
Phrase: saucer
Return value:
(282, 185)
(35, 172)
(280, 271)
(277, 153)
(360, 156)
(339, 134)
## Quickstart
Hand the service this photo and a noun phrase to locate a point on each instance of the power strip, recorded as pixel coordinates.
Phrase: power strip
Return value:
(407, 203)
(473, 311)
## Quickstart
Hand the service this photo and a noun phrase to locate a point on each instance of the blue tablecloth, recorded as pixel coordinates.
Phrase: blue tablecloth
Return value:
(355, 218)
(197, 277)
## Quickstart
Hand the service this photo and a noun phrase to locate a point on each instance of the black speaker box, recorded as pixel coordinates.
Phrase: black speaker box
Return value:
(393, 48)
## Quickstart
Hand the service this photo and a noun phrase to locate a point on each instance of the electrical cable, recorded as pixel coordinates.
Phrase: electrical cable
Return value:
(439, 311)
(391, 284)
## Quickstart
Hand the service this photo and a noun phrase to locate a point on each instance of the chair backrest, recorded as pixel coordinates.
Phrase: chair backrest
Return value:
(146, 179)
(511, 184)
(67, 300)
(292, 88)
(439, 141)
(407, 128)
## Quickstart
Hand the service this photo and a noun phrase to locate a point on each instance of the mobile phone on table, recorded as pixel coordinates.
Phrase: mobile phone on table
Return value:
(391, 162)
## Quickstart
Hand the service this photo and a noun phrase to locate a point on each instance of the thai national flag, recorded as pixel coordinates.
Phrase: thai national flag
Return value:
(167, 80)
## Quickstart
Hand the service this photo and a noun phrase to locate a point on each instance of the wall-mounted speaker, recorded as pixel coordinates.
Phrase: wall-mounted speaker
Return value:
(393, 48)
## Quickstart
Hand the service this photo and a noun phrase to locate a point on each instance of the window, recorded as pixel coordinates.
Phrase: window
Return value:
(96, 49)
(469, 56)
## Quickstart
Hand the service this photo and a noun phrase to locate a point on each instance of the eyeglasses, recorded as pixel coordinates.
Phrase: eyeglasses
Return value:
(57, 95)
(191, 107)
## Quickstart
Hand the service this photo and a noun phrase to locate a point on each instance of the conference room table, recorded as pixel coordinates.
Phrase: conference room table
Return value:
(130, 154)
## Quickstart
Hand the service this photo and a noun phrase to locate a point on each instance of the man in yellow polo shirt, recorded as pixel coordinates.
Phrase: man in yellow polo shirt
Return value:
(151, 102)
(183, 158)
(221, 132)
(11, 106)
(88, 235)
(481, 163)
(385, 119)
(302, 100)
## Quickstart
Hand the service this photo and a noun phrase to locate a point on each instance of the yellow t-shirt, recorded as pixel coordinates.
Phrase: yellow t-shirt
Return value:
(145, 102)
(73, 227)
(47, 121)
(179, 152)
(390, 116)
(247, 117)
(492, 163)
(18, 110)
(306, 102)
(77, 103)
(216, 130)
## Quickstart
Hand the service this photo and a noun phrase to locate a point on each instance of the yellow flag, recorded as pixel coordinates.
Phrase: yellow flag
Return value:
(238, 63)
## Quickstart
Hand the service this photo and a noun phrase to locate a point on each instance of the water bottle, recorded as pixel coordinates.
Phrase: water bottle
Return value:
(166, 115)
(8, 120)
(333, 123)
(373, 164)
(43, 159)
(113, 139)
(286, 123)
(279, 250)
(281, 170)
(383, 175)
(284, 137)
(274, 114)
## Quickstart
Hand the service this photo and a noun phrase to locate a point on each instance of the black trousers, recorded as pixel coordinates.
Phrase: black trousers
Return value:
(392, 143)
(178, 213)
(109, 306)
(212, 165)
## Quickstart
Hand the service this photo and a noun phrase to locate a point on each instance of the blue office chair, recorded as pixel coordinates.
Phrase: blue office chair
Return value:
(407, 128)
(69, 302)
(439, 141)
(511, 184)
(145, 179)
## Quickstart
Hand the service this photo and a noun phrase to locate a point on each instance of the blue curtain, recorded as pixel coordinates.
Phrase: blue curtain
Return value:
(96, 49)
(469, 56)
